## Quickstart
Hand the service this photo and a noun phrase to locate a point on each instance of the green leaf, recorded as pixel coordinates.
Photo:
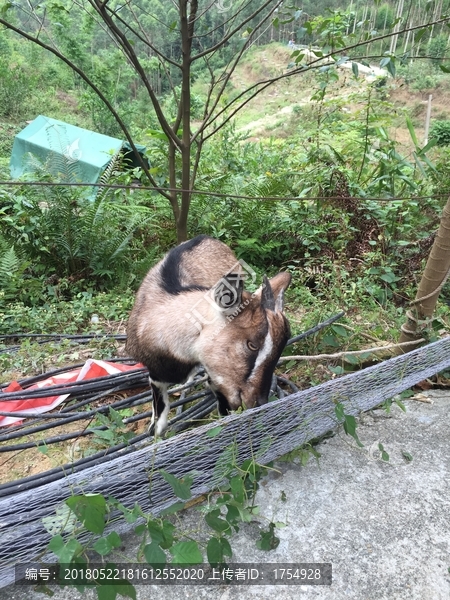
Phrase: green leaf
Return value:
(389, 277)
(389, 63)
(268, 540)
(105, 545)
(444, 68)
(106, 592)
(352, 359)
(107, 435)
(355, 69)
(181, 487)
(214, 431)
(214, 552)
(412, 132)
(339, 330)
(115, 416)
(419, 34)
(139, 530)
(384, 454)
(186, 553)
(226, 548)
(233, 515)
(400, 404)
(130, 516)
(90, 509)
(5, 7)
(154, 555)
(161, 534)
(350, 428)
(431, 144)
(62, 520)
(215, 522)
(156, 133)
(339, 411)
(120, 587)
(407, 456)
(217, 549)
(350, 425)
(391, 67)
(56, 544)
(419, 164)
(65, 551)
(237, 488)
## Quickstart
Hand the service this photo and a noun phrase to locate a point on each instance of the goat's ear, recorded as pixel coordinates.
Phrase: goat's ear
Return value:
(228, 292)
(272, 293)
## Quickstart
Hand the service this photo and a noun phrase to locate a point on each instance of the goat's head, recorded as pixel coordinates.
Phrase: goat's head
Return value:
(242, 347)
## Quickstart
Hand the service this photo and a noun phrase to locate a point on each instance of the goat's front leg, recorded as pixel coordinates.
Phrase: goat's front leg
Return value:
(161, 408)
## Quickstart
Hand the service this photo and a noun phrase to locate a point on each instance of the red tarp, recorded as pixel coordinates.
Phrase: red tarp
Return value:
(90, 370)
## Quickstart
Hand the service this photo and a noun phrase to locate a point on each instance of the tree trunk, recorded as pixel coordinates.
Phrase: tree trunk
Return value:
(433, 279)
(394, 38)
(187, 33)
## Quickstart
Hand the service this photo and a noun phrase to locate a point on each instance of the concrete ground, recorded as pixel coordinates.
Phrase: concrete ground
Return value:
(384, 526)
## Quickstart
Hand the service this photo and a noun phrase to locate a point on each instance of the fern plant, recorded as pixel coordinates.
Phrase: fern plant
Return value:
(15, 284)
(65, 235)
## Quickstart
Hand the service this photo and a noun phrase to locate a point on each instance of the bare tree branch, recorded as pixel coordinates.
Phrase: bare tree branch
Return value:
(129, 50)
(231, 33)
(96, 89)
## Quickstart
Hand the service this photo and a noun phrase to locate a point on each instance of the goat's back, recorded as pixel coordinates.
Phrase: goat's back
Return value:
(200, 262)
(158, 322)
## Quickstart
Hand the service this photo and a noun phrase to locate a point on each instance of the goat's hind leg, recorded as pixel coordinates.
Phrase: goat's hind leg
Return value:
(161, 408)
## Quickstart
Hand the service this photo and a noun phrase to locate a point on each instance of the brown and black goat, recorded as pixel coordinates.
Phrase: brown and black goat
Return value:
(192, 309)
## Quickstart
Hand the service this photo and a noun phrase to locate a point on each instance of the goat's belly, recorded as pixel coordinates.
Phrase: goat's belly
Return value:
(168, 369)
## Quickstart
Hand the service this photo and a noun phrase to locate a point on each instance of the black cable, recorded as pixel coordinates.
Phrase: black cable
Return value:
(178, 423)
(287, 382)
(32, 380)
(192, 411)
(40, 479)
(146, 394)
(137, 400)
(62, 421)
(194, 418)
(76, 387)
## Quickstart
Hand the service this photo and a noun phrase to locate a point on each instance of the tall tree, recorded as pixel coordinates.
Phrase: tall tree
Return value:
(179, 36)
(436, 273)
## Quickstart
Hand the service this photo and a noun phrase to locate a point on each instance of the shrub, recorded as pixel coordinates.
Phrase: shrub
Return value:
(64, 235)
(440, 130)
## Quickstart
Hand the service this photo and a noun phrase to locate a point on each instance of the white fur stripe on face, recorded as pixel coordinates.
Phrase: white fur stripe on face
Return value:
(263, 354)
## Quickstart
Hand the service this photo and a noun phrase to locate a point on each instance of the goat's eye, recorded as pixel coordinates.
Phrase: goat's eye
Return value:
(252, 347)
